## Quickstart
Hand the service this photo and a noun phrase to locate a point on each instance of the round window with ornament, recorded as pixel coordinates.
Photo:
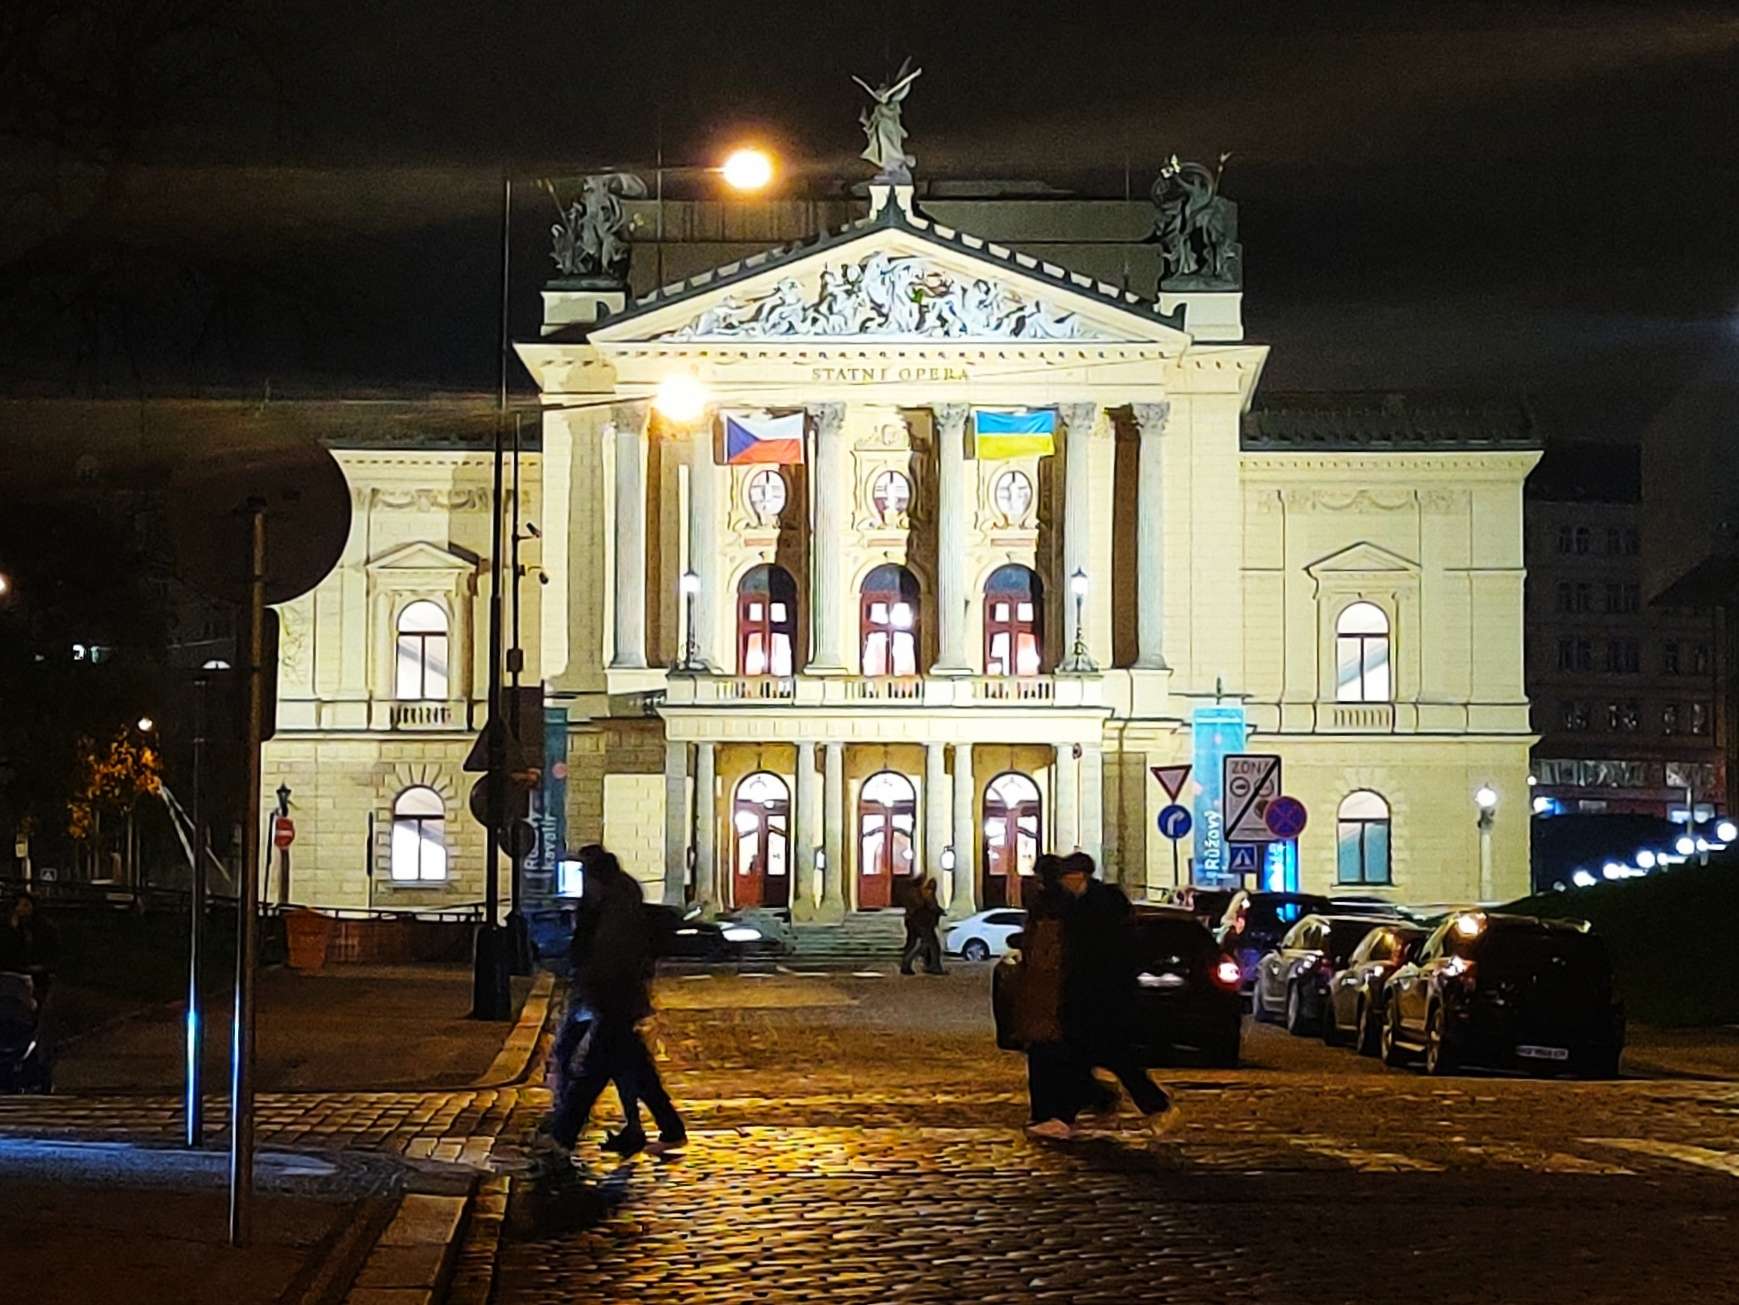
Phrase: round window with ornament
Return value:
(1013, 495)
(767, 495)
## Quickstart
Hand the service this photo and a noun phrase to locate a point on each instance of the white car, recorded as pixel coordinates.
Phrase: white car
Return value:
(979, 937)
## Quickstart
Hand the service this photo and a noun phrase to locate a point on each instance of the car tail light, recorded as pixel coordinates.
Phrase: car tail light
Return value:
(1227, 974)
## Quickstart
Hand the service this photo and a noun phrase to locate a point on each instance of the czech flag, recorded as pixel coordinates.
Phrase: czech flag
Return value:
(1014, 434)
(762, 437)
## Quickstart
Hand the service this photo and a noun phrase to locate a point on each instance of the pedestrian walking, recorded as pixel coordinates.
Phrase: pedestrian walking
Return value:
(611, 984)
(1099, 987)
(923, 915)
(1055, 1075)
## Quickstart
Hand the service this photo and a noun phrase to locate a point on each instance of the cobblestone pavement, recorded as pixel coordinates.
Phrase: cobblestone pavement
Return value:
(858, 1139)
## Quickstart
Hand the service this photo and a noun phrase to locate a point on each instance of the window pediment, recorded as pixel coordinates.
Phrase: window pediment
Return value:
(1361, 560)
(423, 557)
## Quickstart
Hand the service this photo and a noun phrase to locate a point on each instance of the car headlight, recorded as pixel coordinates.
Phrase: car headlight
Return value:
(741, 933)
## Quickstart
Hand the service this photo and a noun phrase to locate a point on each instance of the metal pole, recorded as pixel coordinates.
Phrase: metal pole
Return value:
(195, 1114)
(283, 852)
(489, 992)
(1176, 868)
(241, 1096)
(516, 935)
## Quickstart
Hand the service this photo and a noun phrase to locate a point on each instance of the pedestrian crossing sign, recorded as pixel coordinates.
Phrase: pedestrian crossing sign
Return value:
(1244, 858)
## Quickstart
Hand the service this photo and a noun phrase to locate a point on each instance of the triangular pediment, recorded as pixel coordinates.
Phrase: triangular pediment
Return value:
(1362, 558)
(423, 556)
(892, 279)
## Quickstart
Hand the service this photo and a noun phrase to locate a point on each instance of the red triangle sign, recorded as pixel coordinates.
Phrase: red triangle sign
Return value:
(1171, 779)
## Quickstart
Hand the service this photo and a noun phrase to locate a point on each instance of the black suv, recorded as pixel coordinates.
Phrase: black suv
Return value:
(1509, 991)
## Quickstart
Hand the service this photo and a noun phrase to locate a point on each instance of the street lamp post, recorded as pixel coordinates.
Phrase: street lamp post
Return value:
(1079, 661)
(691, 660)
(1485, 802)
(283, 852)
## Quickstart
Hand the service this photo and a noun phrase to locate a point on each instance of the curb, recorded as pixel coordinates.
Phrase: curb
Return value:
(473, 1280)
(514, 1058)
(413, 1260)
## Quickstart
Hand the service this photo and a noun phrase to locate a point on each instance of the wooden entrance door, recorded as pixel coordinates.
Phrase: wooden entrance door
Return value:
(761, 831)
(887, 819)
(1013, 829)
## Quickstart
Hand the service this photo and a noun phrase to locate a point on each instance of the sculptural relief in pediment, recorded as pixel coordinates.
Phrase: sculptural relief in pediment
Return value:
(887, 296)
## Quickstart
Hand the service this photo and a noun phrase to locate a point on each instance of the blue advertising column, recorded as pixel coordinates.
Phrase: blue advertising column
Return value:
(552, 801)
(1215, 732)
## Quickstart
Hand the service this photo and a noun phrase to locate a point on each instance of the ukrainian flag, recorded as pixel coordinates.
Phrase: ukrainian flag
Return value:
(1001, 433)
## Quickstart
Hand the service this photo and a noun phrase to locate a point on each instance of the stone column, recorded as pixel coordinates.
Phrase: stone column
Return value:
(1090, 818)
(703, 539)
(936, 816)
(826, 535)
(675, 822)
(1065, 822)
(965, 899)
(706, 824)
(952, 598)
(628, 421)
(1078, 421)
(833, 831)
(805, 824)
(1150, 421)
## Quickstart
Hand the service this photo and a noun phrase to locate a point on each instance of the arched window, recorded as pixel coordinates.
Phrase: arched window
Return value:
(419, 844)
(1362, 840)
(889, 621)
(766, 621)
(422, 653)
(887, 811)
(1013, 621)
(1361, 646)
(1013, 834)
(760, 828)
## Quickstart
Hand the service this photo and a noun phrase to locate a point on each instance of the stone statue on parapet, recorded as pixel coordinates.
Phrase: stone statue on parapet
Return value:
(1196, 228)
(883, 129)
(590, 241)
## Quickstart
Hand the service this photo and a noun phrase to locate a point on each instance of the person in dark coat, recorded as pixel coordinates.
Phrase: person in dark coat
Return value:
(1098, 1005)
(1057, 1080)
(923, 914)
(611, 983)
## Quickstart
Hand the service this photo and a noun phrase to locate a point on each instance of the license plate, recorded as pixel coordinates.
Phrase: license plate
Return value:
(1543, 1053)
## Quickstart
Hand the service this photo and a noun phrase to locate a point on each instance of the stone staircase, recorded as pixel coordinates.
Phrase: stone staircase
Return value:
(863, 935)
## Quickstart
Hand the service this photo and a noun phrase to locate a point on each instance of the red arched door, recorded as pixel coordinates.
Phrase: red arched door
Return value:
(887, 819)
(1013, 833)
(761, 830)
(888, 619)
(766, 621)
(1013, 622)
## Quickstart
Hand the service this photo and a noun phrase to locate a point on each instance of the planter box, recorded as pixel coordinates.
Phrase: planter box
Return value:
(308, 935)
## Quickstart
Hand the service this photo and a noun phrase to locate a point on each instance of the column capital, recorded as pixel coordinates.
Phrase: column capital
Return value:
(829, 418)
(950, 417)
(1079, 416)
(1151, 419)
(631, 418)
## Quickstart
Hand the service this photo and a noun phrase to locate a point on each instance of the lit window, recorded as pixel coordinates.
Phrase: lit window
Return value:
(1362, 840)
(1362, 655)
(422, 653)
(891, 494)
(888, 621)
(1012, 633)
(419, 845)
(1013, 495)
(766, 621)
(767, 494)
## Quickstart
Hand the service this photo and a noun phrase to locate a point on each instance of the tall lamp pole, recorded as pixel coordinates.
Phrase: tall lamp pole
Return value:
(1079, 661)
(1485, 802)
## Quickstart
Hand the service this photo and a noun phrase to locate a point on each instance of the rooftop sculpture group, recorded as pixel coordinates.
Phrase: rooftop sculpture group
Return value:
(591, 239)
(1197, 229)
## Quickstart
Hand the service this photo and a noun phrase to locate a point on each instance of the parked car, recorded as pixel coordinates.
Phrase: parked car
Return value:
(1186, 994)
(1293, 980)
(1254, 923)
(1207, 904)
(1357, 993)
(1507, 991)
(979, 937)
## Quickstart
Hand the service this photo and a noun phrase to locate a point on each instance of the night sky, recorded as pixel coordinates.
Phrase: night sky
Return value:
(1509, 197)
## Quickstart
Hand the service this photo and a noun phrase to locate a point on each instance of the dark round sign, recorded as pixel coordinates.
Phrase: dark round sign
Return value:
(1285, 817)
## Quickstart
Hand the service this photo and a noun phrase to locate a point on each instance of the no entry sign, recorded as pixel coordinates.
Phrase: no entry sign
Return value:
(283, 832)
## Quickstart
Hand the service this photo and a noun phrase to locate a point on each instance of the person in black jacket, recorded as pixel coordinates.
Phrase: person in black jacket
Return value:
(1099, 985)
(611, 983)
(923, 914)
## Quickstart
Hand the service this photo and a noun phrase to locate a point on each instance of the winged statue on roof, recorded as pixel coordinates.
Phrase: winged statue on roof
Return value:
(882, 128)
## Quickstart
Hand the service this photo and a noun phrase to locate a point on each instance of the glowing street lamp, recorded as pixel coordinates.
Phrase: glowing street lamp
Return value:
(146, 724)
(691, 660)
(681, 398)
(5, 584)
(1079, 661)
(747, 169)
(1485, 802)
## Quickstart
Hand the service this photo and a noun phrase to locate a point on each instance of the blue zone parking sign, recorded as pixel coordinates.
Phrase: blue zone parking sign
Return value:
(1215, 732)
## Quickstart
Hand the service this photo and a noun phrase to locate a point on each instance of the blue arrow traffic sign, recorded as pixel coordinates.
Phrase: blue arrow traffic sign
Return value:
(1244, 858)
(1175, 822)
